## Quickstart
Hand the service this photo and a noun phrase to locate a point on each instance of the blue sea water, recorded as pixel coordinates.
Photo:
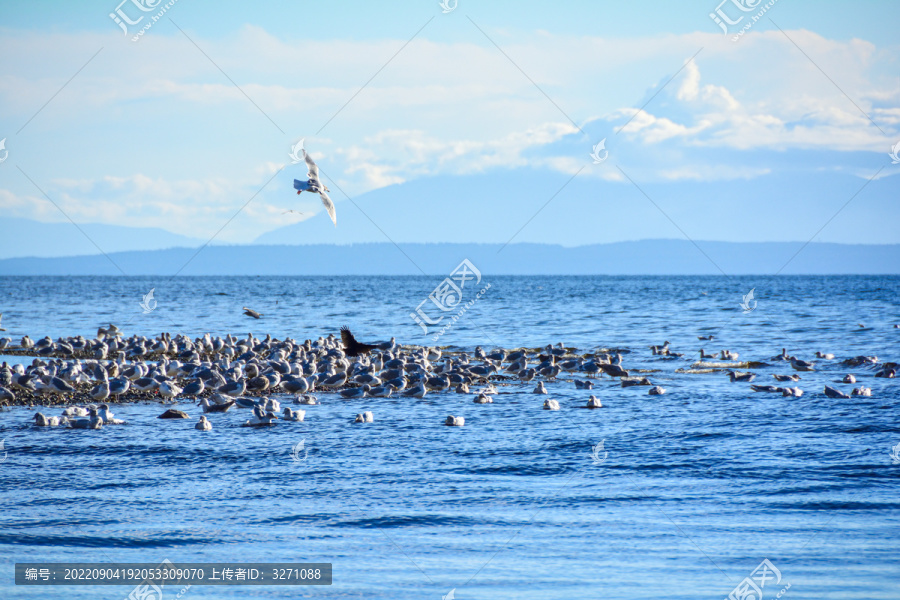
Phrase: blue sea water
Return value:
(698, 487)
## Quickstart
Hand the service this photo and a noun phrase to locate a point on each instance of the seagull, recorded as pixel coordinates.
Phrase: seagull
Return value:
(215, 408)
(835, 393)
(802, 365)
(169, 389)
(365, 417)
(107, 416)
(41, 421)
(260, 418)
(1, 319)
(748, 377)
(794, 377)
(354, 392)
(234, 389)
(100, 392)
(251, 313)
(94, 422)
(194, 388)
(203, 424)
(117, 387)
(295, 386)
(417, 391)
(293, 415)
(314, 185)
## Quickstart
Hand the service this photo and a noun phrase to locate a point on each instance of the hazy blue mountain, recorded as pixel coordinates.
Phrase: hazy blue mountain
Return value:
(648, 257)
(538, 206)
(24, 237)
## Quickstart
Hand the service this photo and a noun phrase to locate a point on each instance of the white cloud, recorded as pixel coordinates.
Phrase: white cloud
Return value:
(158, 136)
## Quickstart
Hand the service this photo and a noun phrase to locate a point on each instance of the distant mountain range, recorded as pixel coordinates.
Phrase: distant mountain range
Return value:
(535, 206)
(647, 257)
(24, 237)
(539, 206)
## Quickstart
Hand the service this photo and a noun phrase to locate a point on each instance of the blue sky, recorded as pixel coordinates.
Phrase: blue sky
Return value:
(154, 132)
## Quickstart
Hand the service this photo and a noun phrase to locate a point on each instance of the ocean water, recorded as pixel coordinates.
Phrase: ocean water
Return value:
(690, 493)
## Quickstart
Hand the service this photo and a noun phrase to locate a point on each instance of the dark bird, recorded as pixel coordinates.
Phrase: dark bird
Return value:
(251, 313)
(351, 346)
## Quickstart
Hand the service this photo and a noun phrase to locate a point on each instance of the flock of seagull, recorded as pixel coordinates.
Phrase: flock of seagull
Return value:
(220, 373)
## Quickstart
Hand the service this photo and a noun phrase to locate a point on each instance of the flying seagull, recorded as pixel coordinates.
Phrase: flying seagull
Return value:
(351, 346)
(314, 185)
(251, 313)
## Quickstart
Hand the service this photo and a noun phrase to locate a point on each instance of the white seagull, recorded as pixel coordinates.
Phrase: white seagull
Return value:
(314, 185)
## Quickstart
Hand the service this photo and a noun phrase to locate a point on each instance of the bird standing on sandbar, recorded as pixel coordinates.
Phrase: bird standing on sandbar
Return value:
(314, 185)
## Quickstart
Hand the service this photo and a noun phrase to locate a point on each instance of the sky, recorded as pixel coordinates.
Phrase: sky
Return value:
(189, 126)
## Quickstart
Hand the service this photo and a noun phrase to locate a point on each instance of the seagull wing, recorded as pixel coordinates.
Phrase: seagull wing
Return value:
(329, 206)
(313, 169)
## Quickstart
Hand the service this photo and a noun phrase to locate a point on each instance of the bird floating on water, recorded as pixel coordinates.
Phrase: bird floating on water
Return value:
(293, 415)
(365, 417)
(312, 184)
(594, 402)
(802, 365)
